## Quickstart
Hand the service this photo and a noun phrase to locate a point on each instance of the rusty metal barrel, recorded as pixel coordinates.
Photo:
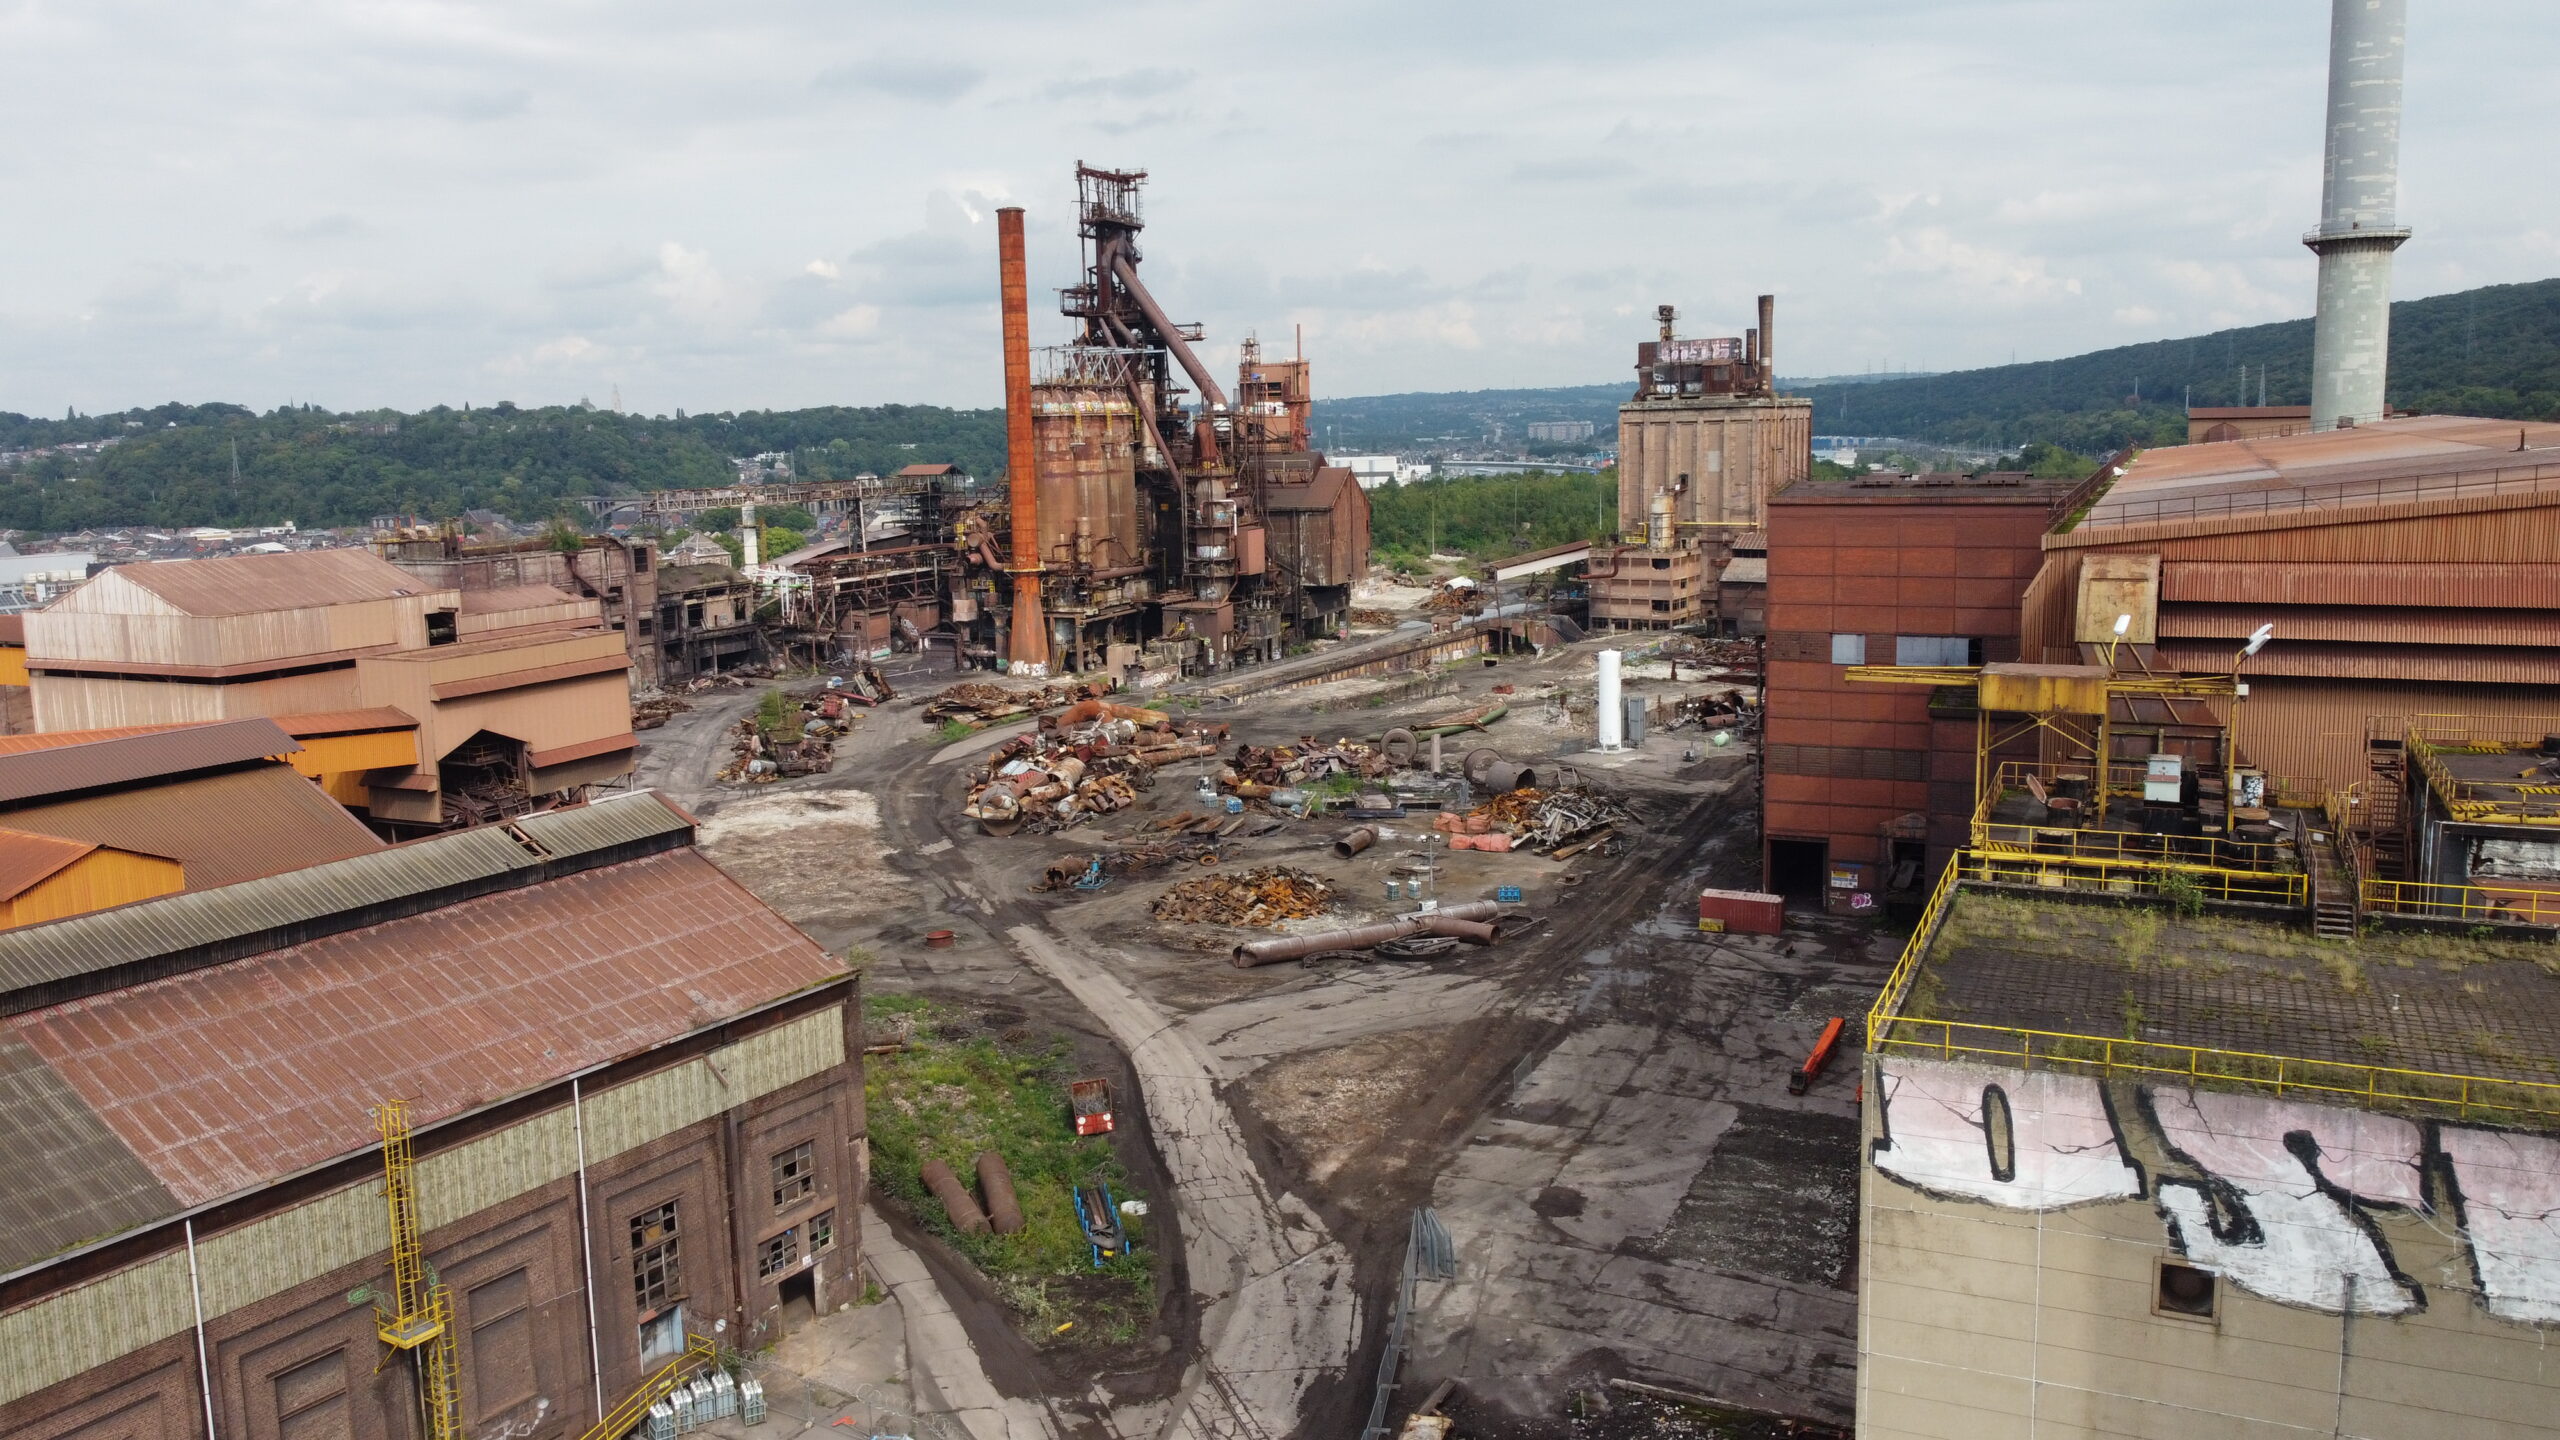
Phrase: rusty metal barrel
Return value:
(1356, 841)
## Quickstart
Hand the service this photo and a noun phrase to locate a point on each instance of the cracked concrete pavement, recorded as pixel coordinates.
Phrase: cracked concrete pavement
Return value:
(1282, 1315)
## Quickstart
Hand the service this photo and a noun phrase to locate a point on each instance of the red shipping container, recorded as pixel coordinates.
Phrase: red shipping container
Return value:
(1743, 912)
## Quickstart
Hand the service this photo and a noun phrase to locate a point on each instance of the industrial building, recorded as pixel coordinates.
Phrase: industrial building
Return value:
(1866, 789)
(2129, 1171)
(1701, 447)
(615, 1104)
(448, 706)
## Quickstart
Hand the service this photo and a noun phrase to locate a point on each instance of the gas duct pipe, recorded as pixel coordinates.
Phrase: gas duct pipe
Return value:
(1028, 645)
(1613, 716)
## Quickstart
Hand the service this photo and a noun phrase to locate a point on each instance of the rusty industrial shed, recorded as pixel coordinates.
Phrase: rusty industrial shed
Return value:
(465, 705)
(638, 1113)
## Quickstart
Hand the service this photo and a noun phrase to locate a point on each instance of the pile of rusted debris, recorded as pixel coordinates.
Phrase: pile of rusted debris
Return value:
(1256, 772)
(1455, 597)
(1259, 898)
(1092, 759)
(1560, 823)
(979, 704)
(1368, 619)
(652, 708)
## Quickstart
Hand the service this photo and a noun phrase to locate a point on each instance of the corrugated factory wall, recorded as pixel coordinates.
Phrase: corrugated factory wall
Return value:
(141, 633)
(1736, 454)
(81, 702)
(2314, 729)
(96, 1324)
(103, 877)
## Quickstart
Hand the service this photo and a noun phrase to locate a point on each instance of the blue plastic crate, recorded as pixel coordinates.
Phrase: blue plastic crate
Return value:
(1508, 894)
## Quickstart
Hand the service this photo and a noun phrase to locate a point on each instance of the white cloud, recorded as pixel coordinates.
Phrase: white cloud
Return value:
(1984, 271)
(471, 180)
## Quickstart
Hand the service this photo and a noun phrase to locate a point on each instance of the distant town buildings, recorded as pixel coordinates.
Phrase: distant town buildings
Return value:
(1561, 432)
(1373, 471)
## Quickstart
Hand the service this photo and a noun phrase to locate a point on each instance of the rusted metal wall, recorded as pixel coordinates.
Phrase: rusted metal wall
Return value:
(1735, 453)
(1086, 440)
(2314, 729)
(2363, 583)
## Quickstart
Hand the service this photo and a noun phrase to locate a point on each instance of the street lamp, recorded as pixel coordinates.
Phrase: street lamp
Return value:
(2258, 639)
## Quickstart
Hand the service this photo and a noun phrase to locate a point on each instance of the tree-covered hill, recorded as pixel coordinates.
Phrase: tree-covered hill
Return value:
(224, 465)
(2492, 351)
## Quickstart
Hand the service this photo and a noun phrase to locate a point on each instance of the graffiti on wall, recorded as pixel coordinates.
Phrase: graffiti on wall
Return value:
(2283, 1198)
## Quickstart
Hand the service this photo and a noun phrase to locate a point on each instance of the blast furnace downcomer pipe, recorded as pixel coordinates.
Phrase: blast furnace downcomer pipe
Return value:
(1029, 642)
(2359, 195)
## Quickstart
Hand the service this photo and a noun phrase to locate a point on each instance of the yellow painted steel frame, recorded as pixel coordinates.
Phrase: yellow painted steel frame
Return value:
(2135, 876)
(2120, 847)
(2368, 1085)
(699, 1350)
(2478, 903)
(2456, 793)
(421, 1318)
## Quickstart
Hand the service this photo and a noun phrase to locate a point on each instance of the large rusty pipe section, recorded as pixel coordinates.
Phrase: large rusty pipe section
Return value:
(956, 1200)
(1173, 340)
(1364, 937)
(1029, 643)
(1004, 1212)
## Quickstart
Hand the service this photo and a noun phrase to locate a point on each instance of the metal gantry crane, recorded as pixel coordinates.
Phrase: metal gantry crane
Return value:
(420, 1319)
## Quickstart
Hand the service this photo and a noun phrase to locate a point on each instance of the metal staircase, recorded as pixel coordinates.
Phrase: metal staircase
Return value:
(2384, 822)
(420, 1320)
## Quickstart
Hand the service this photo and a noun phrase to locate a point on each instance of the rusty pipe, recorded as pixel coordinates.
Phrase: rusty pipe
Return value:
(1004, 1212)
(1029, 642)
(1474, 932)
(963, 1209)
(1465, 910)
(1355, 842)
(1295, 947)
(1173, 340)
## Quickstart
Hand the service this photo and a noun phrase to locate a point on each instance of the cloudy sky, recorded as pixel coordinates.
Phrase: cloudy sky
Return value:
(398, 202)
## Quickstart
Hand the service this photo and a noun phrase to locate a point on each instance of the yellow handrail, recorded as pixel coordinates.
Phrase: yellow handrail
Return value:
(2521, 905)
(698, 1350)
(2191, 1064)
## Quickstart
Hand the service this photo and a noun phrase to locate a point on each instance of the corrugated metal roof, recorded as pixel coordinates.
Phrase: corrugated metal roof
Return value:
(1745, 570)
(129, 934)
(347, 722)
(224, 1078)
(2391, 461)
(2379, 625)
(226, 827)
(55, 740)
(540, 675)
(128, 759)
(26, 858)
(69, 1180)
(250, 584)
(515, 597)
(2233, 582)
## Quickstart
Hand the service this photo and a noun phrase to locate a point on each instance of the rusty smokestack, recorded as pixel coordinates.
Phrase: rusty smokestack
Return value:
(1029, 643)
(1751, 349)
(1769, 341)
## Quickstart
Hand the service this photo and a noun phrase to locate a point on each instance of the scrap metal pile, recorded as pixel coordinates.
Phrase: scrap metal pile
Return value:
(1092, 760)
(805, 743)
(978, 704)
(1259, 771)
(1562, 823)
(652, 708)
(1455, 598)
(1260, 898)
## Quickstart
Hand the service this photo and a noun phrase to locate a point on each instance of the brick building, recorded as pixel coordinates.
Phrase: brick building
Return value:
(1870, 783)
(637, 1105)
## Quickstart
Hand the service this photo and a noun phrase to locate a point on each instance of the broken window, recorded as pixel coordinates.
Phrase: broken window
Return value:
(1936, 650)
(656, 1277)
(822, 1233)
(441, 627)
(795, 1175)
(2184, 1290)
(778, 1254)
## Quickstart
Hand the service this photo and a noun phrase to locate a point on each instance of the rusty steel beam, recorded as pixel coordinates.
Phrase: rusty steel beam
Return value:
(1029, 643)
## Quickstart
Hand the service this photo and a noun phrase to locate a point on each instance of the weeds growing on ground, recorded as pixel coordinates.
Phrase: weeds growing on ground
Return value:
(954, 1091)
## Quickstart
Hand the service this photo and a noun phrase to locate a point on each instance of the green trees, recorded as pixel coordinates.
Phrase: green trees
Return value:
(172, 465)
(1484, 516)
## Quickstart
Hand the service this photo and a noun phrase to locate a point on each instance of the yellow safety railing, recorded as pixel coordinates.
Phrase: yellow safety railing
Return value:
(2214, 851)
(2137, 876)
(699, 1350)
(2367, 1085)
(1889, 1031)
(2482, 904)
(2484, 802)
(1898, 983)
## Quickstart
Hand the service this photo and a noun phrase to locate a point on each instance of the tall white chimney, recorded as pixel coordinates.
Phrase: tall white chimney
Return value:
(2359, 192)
